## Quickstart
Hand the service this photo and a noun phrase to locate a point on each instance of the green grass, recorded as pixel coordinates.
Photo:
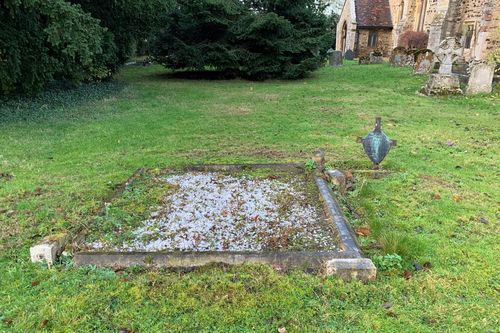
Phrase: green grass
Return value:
(65, 164)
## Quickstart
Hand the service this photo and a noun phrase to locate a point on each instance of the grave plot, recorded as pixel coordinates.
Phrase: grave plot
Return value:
(275, 214)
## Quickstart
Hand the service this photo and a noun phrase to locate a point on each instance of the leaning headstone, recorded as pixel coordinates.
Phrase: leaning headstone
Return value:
(376, 57)
(481, 78)
(349, 55)
(334, 57)
(398, 57)
(445, 82)
(424, 62)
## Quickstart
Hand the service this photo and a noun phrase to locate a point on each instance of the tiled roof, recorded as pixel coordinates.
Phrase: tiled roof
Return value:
(373, 14)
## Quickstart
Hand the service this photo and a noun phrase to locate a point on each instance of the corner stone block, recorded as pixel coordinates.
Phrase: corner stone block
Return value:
(49, 249)
(337, 178)
(361, 269)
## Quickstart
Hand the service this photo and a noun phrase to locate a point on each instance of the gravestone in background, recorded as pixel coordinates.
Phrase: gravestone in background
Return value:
(481, 78)
(399, 57)
(349, 55)
(376, 58)
(424, 63)
(334, 57)
(445, 82)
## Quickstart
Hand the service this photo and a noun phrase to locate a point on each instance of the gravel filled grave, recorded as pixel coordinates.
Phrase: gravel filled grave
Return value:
(215, 211)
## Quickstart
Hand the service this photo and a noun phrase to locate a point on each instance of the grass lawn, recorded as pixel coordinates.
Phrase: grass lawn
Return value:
(440, 204)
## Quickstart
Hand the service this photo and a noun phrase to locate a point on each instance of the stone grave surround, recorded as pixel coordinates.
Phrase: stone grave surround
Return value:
(445, 82)
(481, 77)
(424, 62)
(345, 261)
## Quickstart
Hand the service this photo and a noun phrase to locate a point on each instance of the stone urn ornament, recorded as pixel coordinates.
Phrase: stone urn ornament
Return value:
(376, 144)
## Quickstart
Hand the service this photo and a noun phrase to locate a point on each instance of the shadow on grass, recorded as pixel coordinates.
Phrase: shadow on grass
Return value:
(197, 75)
(55, 101)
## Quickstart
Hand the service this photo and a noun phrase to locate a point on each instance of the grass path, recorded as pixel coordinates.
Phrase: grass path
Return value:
(439, 205)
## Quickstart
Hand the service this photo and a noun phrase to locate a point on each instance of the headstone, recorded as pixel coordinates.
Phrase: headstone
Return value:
(334, 57)
(424, 62)
(445, 82)
(399, 57)
(481, 78)
(442, 84)
(349, 55)
(376, 57)
(450, 50)
(364, 60)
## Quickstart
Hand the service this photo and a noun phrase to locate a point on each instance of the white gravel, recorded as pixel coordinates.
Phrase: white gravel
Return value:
(216, 212)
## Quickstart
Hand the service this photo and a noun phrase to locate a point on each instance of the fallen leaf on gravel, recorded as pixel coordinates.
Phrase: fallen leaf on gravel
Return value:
(363, 231)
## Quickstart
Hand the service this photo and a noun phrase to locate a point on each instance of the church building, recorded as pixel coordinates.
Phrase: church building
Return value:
(369, 25)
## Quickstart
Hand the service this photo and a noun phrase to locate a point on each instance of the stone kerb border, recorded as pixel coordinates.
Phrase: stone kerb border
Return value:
(347, 263)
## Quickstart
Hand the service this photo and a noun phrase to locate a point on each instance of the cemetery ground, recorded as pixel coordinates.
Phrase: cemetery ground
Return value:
(64, 155)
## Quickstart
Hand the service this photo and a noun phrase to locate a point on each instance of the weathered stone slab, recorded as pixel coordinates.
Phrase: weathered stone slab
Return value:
(480, 79)
(440, 84)
(334, 57)
(352, 269)
(376, 58)
(424, 62)
(337, 178)
(49, 249)
(400, 57)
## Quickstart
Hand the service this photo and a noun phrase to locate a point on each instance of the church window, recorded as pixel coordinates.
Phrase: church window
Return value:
(469, 33)
(372, 39)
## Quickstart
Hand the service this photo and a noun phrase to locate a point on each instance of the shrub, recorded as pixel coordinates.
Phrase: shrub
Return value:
(197, 36)
(388, 262)
(255, 39)
(130, 23)
(413, 40)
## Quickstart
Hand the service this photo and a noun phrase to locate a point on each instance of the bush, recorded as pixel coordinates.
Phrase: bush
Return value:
(413, 40)
(129, 22)
(44, 40)
(198, 36)
(255, 39)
